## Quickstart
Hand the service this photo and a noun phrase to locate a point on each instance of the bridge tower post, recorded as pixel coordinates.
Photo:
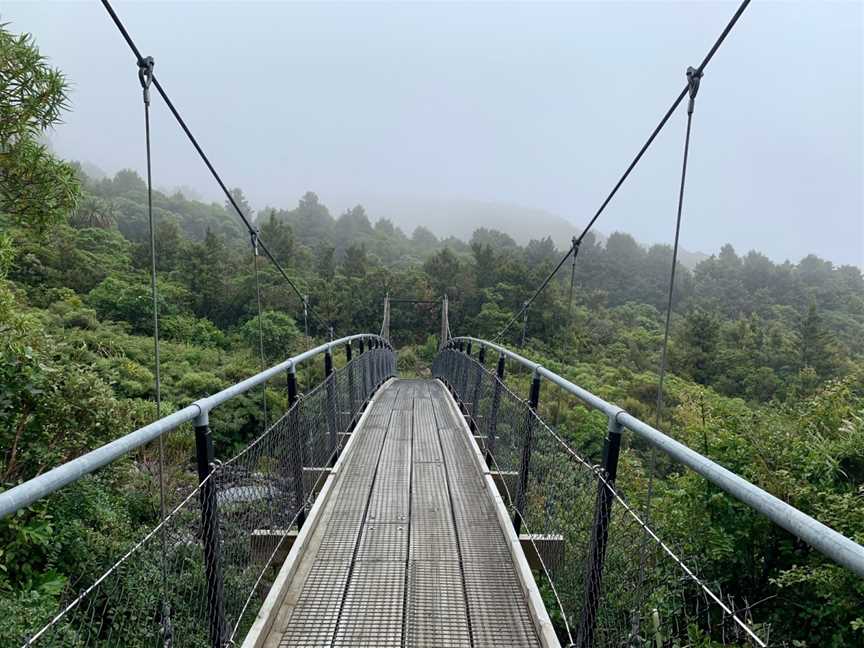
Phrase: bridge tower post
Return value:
(599, 536)
(525, 464)
(217, 625)
(445, 325)
(492, 424)
(332, 407)
(296, 445)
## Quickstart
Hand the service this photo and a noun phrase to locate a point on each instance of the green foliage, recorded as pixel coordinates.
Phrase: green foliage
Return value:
(764, 359)
(36, 189)
(192, 330)
(280, 334)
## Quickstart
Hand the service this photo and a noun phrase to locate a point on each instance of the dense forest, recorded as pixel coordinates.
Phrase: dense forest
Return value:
(765, 357)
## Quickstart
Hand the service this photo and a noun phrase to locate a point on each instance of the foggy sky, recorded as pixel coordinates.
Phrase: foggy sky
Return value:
(529, 104)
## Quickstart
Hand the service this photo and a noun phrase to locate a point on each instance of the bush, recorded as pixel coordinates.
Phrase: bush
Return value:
(192, 330)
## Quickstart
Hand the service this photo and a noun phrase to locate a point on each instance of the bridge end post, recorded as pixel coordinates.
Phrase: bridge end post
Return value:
(210, 540)
(525, 464)
(599, 535)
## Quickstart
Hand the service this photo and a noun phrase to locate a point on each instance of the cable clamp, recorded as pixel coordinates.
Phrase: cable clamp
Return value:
(693, 77)
(253, 234)
(145, 76)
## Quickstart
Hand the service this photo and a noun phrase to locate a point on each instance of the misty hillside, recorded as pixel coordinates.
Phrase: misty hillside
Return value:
(461, 218)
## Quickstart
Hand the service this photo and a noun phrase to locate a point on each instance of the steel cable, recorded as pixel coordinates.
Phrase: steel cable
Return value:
(121, 27)
(145, 76)
(260, 323)
(693, 77)
(663, 121)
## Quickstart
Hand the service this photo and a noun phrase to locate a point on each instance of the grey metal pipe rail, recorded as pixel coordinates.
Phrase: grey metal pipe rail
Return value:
(823, 538)
(30, 491)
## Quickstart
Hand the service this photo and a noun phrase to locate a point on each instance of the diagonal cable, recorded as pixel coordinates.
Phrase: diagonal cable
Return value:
(699, 70)
(663, 121)
(204, 157)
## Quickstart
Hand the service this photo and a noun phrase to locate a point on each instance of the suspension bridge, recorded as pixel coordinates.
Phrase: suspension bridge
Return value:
(381, 511)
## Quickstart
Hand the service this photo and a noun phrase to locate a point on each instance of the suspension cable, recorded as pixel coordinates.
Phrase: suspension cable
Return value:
(699, 70)
(663, 121)
(145, 77)
(203, 156)
(260, 324)
(693, 77)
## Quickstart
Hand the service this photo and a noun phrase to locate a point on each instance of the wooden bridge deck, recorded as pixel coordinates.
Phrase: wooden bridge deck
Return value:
(409, 546)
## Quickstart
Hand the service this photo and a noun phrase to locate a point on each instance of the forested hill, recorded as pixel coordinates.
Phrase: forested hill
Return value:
(744, 325)
(752, 341)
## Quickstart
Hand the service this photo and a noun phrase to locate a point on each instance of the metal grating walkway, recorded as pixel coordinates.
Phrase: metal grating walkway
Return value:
(408, 550)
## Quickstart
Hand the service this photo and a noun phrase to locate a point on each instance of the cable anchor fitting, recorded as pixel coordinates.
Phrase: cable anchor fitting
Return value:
(145, 76)
(253, 234)
(693, 77)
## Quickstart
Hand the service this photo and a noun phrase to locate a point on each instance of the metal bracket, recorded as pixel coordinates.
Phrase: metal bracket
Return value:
(145, 76)
(693, 77)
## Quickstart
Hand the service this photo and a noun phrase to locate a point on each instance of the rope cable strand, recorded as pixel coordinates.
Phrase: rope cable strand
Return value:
(145, 78)
(693, 77)
(254, 240)
(665, 119)
(182, 123)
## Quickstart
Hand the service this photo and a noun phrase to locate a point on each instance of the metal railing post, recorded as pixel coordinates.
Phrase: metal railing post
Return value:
(352, 397)
(463, 383)
(525, 464)
(377, 363)
(481, 359)
(373, 361)
(599, 536)
(331, 405)
(296, 443)
(363, 372)
(492, 425)
(210, 533)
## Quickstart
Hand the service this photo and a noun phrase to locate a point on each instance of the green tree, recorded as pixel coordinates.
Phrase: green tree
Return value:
(281, 335)
(93, 211)
(324, 261)
(279, 238)
(355, 262)
(699, 342)
(815, 347)
(36, 188)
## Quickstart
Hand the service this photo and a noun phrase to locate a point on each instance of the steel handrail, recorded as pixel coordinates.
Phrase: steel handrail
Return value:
(829, 542)
(30, 491)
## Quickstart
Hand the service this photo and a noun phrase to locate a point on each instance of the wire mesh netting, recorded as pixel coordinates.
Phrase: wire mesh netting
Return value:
(203, 570)
(607, 577)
